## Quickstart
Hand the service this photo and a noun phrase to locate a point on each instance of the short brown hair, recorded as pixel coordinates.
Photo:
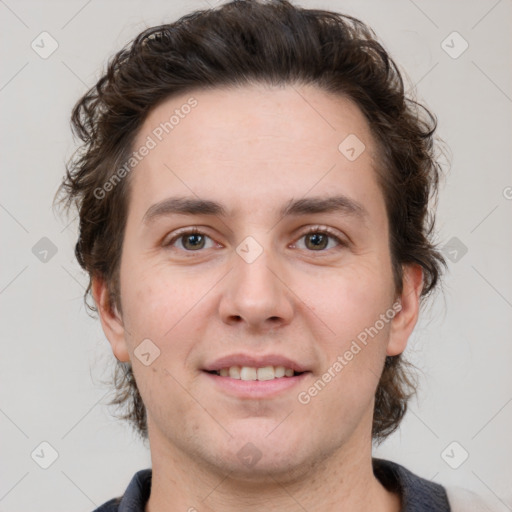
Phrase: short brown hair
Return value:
(236, 44)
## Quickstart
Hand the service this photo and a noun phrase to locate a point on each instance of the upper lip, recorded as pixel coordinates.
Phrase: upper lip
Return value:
(254, 361)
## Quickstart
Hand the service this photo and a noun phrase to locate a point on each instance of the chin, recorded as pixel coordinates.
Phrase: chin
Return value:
(258, 451)
(271, 467)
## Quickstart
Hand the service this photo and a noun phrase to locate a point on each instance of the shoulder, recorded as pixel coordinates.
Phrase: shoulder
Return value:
(417, 493)
(134, 498)
(462, 500)
(109, 506)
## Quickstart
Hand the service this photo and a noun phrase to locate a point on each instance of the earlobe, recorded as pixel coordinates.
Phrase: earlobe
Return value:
(404, 321)
(111, 320)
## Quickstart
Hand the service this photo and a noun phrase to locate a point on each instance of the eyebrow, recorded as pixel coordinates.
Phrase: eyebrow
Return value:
(305, 206)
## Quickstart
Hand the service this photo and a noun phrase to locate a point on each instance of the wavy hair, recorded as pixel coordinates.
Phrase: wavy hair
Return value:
(236, 44)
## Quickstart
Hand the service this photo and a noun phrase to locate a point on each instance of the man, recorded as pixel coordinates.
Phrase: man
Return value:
(253, 190)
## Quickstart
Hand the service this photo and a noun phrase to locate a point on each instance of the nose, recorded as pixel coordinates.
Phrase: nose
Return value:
(256, 294)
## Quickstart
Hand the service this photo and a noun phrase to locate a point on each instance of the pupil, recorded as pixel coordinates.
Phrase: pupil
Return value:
(194, 241)
(318, 240)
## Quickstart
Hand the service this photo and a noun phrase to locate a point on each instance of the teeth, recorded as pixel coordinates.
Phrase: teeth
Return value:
(266, 373)
(234, 372)
(247, 373)
(279, 371)
(250, 373)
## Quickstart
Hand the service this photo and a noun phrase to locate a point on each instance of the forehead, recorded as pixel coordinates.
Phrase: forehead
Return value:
(249, 143)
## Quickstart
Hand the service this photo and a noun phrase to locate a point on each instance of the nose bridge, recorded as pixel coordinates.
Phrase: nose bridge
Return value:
(255, 292)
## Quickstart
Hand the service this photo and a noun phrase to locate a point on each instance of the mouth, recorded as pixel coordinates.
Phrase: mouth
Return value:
(247, 377)
(251, 373)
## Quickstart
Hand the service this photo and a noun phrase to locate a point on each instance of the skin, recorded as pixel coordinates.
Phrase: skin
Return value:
(253, 149)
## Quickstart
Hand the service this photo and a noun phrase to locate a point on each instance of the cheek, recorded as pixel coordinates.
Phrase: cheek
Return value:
(156, 300)
(354, 349)
(159, 305)
(348, 300)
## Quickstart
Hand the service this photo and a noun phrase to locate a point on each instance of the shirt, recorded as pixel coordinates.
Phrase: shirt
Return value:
(417, 494)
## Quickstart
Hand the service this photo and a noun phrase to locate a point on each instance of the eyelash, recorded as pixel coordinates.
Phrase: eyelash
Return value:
(310, 231)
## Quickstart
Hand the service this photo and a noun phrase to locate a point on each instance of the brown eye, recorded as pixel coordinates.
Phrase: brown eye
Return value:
(193, 241)
(320, 240)
(190, 241)
(316, 241)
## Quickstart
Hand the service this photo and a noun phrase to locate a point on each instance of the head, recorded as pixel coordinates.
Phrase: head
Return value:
(284, 134)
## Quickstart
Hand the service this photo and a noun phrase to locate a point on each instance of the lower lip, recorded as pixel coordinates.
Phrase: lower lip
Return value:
(256, 388)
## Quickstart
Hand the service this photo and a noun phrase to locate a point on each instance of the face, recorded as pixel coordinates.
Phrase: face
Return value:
(256, 245)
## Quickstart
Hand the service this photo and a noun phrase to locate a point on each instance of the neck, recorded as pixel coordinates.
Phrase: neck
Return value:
(334, 482)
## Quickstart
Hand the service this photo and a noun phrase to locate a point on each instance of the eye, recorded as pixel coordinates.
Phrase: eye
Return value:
(319, 239)
(191, 240)
(316, 239)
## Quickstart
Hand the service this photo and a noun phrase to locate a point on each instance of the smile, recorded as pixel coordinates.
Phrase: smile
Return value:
(253, 373)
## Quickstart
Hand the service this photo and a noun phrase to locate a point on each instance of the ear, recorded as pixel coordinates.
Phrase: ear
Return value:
(111, 320)
(404, 321)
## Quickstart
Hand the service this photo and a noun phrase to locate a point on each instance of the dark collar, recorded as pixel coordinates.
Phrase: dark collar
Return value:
(417, 494)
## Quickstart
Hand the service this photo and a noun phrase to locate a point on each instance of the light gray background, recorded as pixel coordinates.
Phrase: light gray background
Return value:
(54, 356)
